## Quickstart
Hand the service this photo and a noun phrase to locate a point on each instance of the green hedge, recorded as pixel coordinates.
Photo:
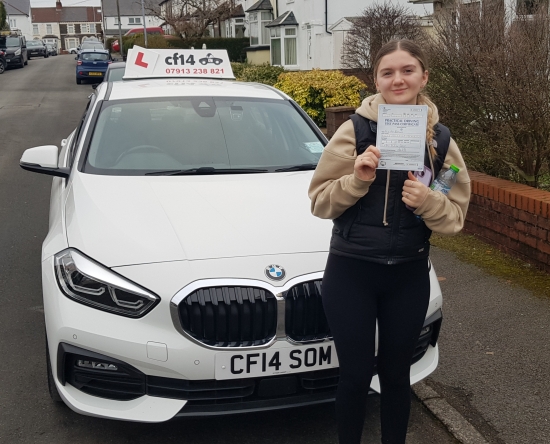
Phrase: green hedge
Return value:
(264, 73)
(235, 47)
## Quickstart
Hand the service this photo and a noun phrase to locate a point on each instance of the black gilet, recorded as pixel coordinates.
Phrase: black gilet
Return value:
(360, 232)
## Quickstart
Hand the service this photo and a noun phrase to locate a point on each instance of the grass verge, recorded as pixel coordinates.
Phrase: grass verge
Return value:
(514, 271)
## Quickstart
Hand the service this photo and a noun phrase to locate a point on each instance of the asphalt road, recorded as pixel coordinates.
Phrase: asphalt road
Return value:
(40, 105)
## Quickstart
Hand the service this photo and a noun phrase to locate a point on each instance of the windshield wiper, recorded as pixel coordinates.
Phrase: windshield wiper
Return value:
(303, 167)
(206, 170)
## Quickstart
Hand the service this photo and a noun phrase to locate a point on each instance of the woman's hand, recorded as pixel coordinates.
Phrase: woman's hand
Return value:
(366, 163)
(414, 191)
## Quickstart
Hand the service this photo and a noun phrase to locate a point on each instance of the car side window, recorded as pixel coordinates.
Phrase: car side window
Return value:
(77, 137)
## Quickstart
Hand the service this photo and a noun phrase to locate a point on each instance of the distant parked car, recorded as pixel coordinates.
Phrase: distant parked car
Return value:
(37, 48)
(15, 48)
(92, 64)
(52, 50)
(90, 45)
(72, 50)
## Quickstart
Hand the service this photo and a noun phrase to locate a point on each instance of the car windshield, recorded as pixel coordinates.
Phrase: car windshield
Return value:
(9, 41)
(171, 135)
(94, 56)
(114, 74)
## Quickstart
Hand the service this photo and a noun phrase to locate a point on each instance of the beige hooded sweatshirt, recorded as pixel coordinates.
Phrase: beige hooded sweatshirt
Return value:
(334, 187)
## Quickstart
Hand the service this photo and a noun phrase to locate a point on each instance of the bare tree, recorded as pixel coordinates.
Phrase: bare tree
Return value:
(378, 24)
(491, 78)
(191, 18)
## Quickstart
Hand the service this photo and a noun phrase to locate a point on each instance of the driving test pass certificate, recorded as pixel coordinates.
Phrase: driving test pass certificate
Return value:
(401, 136)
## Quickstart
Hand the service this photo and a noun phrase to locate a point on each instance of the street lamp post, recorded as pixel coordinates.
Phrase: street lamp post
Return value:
(144, 24)
(119, 32)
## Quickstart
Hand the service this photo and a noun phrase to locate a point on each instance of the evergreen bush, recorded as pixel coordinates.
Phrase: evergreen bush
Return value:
(316, 90)
(264, 73)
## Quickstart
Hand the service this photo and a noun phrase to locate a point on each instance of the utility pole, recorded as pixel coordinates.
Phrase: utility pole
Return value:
(119, 32)
(144, 24)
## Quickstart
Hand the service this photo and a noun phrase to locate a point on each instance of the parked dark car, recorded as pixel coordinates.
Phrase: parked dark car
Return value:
(52, 50)
(92, 64)
(3, 62)
(15, 47)
(37, 48)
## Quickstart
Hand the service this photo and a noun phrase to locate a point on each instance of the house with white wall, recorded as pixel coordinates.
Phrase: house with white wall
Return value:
(130, 17)
(19, 16)
(299, 34)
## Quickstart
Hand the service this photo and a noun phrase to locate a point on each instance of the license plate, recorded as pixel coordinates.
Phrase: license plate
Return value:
(277, 361)
(95, 73)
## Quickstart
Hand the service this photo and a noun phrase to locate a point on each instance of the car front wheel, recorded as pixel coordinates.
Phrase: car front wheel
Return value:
(22, 64)
(2, 67)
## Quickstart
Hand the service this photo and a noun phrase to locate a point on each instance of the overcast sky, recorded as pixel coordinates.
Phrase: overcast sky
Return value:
(417, 9)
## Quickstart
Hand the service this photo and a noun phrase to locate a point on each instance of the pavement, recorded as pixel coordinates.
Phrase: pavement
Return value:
(492, 382)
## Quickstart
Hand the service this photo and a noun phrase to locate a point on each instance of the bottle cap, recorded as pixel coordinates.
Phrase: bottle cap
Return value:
(455, 168)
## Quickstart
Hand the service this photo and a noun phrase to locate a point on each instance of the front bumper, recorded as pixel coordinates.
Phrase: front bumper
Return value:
(165, 374)
(14, 60)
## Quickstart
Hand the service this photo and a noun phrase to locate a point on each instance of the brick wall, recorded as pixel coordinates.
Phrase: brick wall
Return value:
(336, 115)
(514, 218)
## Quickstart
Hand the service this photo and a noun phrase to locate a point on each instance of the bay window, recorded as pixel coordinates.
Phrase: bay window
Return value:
(259, 34)
(284, 48)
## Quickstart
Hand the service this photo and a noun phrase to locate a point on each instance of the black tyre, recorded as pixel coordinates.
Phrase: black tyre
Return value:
(22, 64)
(78, 81)
(46, 56)
(54, 394)
(2, 67)
(27, 61)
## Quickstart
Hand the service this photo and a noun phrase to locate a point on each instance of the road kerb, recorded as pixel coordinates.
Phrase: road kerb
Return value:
(459, 427)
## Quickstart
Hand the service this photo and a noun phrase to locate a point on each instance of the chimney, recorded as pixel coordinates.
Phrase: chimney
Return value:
(58, 5)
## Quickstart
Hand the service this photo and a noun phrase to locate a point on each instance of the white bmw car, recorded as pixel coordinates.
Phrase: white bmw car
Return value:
(182, 268)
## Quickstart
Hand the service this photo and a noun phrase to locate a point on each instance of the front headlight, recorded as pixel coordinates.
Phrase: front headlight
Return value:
(86, 281)
(17, 52)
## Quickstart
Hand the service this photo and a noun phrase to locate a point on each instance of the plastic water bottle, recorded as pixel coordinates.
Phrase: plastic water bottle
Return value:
(445, 180)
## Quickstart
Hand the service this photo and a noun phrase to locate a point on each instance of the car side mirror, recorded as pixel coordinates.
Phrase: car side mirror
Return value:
(43, 160)
(95, 85)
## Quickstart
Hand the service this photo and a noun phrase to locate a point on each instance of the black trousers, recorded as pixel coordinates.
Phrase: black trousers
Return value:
(356, 294)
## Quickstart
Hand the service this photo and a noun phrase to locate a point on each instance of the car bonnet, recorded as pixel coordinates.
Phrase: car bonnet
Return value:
(124, 220)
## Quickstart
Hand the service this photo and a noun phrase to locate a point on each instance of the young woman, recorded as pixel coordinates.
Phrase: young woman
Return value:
(377, 269)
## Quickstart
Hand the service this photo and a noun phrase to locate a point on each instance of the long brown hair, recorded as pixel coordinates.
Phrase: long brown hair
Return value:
(413, 49)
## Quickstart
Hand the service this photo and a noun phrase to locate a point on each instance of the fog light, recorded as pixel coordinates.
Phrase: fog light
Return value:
(425, 330)
(96, 365)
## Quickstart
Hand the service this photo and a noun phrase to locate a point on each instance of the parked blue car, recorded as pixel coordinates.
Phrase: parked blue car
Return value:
(92, 64)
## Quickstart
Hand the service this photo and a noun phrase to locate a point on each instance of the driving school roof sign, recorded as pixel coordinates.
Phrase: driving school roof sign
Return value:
(177, 63)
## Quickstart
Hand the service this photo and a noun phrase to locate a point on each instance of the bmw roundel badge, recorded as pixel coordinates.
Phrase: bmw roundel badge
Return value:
(275, 272)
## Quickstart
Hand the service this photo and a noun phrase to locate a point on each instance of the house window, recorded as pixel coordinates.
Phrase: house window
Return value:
(48, 29)
(276, 46)
(13, 23)
(35, 29)
(84, 28)
(284, 48)
(290, 48)
(259, 34)
(70, 29)
(134, 20)
(71, 43)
